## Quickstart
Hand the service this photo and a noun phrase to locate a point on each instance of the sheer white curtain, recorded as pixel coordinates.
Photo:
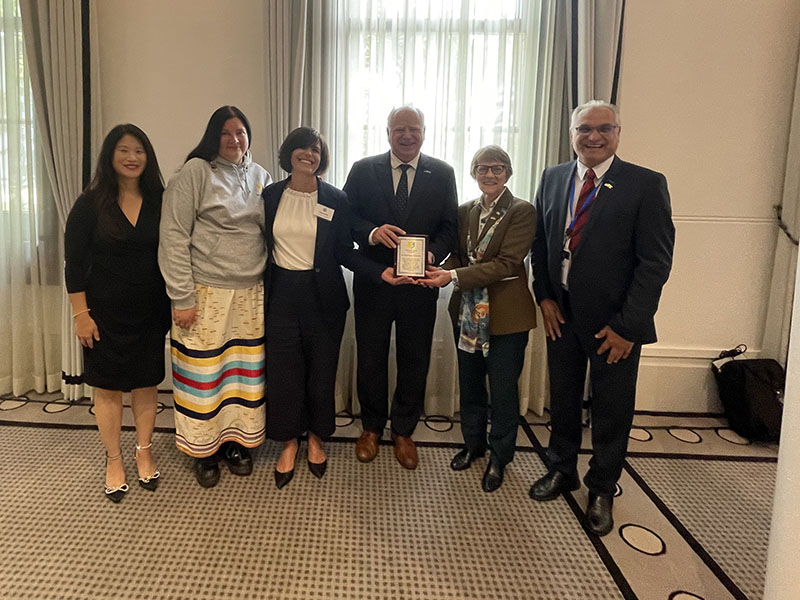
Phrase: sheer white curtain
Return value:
(506, 72)
(55, 45)
(30, 292)
(475, 70)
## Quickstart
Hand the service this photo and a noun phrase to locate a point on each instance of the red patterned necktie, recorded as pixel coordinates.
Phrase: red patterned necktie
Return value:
(580, 221)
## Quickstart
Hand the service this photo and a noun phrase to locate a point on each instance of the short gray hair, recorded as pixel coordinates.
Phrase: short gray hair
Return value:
(491, 152)
(410, 107)
(594, 104)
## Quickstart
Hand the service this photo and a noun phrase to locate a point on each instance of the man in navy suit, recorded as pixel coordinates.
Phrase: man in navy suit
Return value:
(399, 192)
(602, 254)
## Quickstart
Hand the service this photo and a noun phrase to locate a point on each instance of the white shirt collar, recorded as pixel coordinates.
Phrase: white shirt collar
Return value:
(599, 170)
(396, 162)
(493, 203)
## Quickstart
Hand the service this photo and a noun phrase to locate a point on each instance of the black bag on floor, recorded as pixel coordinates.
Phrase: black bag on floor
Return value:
(751, 391)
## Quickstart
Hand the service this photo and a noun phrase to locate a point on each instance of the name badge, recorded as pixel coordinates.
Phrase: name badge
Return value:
(566, 257)
(323, 212)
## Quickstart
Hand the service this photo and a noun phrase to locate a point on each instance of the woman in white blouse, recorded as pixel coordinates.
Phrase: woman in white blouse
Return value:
(309, 239)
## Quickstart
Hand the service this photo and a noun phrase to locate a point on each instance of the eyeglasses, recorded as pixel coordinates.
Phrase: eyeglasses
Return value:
(484, 169)
(601, 129)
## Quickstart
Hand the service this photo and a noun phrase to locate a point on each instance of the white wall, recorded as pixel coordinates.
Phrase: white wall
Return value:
(705, 94)
(166, 65)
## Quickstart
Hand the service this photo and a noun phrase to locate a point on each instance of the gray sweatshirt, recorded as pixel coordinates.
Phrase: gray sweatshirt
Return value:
(212, 228)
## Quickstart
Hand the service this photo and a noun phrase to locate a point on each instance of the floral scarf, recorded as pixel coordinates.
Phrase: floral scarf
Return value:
(474, 313)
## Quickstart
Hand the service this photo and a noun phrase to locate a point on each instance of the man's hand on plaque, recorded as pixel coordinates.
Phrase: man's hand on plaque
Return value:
(387, 234)
(389, 277)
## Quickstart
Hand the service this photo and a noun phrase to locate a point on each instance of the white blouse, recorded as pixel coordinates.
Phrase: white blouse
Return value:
(295, 230)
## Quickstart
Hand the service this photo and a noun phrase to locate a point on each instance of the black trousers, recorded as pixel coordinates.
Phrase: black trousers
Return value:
(302, 355)
(503, 365)
(412, 310)
(613, 399)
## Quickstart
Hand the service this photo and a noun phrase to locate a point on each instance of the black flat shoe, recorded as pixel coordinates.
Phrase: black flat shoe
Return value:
(282, 479)
(599, 519)
(206, 471)
(464, 459)
(552, 485)
(318, 469)
(237, 458)
(493, 476)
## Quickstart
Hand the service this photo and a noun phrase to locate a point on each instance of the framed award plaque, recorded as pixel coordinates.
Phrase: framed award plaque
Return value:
(411, 256)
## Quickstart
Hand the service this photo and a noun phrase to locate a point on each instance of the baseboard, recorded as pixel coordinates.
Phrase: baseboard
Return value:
(677, 385)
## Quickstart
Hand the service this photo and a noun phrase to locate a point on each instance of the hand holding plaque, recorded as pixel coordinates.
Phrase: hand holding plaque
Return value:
(411, 256)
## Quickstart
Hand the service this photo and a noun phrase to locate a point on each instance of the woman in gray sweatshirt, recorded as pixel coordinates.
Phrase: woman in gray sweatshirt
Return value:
(212, 255)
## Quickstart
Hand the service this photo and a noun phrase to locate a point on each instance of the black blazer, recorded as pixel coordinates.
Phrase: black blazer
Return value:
(624, 255)
(431, 208)
(334, 246)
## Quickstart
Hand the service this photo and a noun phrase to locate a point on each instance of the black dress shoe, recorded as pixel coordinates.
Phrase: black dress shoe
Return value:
(598, 514)
(282, 479)
(493, 476)
(237, 458)
(318, 469)
(465, 458)
(206, 470)
(552, 485)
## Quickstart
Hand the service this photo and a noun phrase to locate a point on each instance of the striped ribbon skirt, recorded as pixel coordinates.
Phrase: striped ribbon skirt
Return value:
(218, 372)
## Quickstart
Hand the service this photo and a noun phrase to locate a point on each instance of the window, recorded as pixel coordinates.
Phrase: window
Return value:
(27, 213)
(469, 65)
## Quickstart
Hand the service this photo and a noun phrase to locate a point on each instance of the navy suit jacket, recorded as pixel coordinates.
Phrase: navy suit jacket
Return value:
(431, 208)
(333, 247)
(624, 256)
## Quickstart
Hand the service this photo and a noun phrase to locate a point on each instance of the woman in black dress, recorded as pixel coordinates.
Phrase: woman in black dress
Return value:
(119, 302)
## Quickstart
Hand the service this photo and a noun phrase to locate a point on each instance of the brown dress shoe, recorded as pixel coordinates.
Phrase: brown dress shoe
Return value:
(367, 446)
(405, 451)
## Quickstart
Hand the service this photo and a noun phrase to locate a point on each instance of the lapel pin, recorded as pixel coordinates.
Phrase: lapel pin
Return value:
(608, 185)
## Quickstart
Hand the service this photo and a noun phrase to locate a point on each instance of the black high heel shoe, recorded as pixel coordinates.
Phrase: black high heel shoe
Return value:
(115, 494)
(282, 479)
(151, 482)
(318, 469)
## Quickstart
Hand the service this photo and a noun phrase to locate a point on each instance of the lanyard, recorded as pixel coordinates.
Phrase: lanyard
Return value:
(585, 206)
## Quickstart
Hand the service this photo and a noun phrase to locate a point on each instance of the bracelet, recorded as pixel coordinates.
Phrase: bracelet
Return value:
(80, 312)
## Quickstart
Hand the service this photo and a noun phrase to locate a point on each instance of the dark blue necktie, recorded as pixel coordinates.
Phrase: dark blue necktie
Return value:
(401, 196)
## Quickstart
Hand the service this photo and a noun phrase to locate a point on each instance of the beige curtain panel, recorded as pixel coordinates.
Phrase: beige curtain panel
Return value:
(54, 51)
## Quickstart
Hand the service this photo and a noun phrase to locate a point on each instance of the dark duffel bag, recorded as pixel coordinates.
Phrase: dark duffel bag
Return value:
(751, 392)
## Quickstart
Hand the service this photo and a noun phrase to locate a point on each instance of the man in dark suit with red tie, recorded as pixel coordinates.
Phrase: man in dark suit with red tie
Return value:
(399, 192)
(601, 256)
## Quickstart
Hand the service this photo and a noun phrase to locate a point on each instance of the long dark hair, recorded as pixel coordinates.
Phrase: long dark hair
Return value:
(104, 187)
(208, 148)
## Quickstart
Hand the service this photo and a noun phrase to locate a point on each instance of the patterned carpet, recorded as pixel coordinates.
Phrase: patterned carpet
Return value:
(689, 523)
(364, 531)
